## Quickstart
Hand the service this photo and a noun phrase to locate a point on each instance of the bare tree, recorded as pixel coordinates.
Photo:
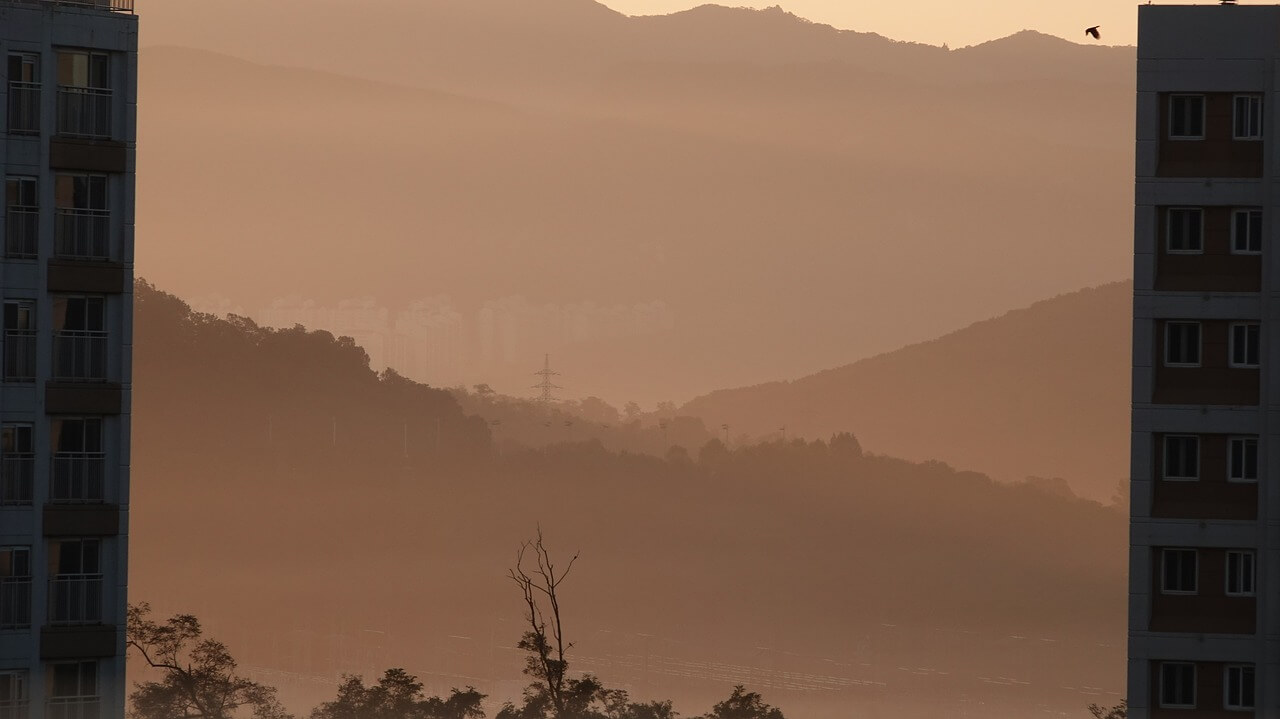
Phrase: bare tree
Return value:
(199, 679)
(1119, 711)
(544, 641)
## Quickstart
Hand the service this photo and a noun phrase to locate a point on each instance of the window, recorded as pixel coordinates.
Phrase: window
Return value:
(22, 215)
(1238, 692)
(1178, 685)
(19, 340)
(17, 464)
(80, 68)
(13, 694)
(79, 338)
(72, 690)
(1243, 459)
(1246, 231)
(1185, 230)
(24, 94)
(1245, 337)
(1240, 575)
(83, 220)
(1182, 344)
(1181, 456)
(1178, 571)
(84, 94)
(1247, 117)
(75, 587)
(79, 463)
(15, 587)
(1186, 117)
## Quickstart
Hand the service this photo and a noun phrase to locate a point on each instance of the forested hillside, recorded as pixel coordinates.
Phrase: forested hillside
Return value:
(840, 579)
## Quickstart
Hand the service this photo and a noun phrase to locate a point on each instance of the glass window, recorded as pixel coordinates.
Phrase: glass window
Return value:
(1246, 231)
(1243, 459)
(1186, 116)
(1185, 229)
(1182, 344)
(1245, 340)
(68, 680)
(1239, 687)
(1177, 684)
(1181, 456)
(80, 192)
(1240, 576)
(83, 69)
(1247, 117)
(1178, 571)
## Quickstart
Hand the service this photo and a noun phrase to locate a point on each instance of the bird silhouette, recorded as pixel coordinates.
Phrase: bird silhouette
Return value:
(1093, 32)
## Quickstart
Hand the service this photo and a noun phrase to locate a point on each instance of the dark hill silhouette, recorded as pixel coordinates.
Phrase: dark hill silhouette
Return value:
(839, 580)
(778, 199)
(1039, 391)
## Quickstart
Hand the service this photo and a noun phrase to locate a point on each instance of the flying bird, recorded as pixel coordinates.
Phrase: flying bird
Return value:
(1093, 32)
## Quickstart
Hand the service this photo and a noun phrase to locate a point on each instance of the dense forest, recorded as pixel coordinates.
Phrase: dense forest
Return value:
(334, 505)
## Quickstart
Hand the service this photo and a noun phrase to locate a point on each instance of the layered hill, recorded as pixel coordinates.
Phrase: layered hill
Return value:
(1040, 391)
(322, 519)
(759, 175)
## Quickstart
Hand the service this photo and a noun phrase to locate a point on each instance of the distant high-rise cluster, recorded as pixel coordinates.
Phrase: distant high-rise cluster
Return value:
(1202, 612)
(433, 341)
(66, 278)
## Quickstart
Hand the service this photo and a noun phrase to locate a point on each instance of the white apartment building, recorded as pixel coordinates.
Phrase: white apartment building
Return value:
(68, 93)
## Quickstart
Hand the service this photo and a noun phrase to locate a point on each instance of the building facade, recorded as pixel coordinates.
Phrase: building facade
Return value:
(69, 96)
(1204, 618)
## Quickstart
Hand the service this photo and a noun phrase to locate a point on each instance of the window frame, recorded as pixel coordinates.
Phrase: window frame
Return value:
(1163, 676)
(1168, 230)
(1252, 589)
(1251, 98)
(1168, 338)
(1226, 687)
(1245, 440)
(1165, 553)
(1173, 98)
(1255, 345)
(1248, 212)
(1164, 458)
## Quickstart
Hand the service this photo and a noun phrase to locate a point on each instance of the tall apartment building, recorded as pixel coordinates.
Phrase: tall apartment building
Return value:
(1204, 627)
(69, 94)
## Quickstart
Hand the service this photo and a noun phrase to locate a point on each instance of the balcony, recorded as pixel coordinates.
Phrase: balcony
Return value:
(82, 234)
(84, 112)
(24, 108)
(22, 232)
(14, 709)
(80, 356)
(73, 708)
(19, 355)
(75, 599)
(15, 604)
(78, 478)
(17, 478)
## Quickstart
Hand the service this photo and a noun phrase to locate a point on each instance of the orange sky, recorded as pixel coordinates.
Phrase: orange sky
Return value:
(943, 21)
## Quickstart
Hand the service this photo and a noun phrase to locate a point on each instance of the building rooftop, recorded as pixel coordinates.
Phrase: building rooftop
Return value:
(125, 6)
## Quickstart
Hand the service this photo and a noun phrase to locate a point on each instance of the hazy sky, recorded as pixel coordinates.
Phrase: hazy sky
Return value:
(943, 21)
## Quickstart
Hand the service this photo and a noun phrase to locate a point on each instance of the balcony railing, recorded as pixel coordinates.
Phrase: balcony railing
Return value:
(78, 478)
(17, 479)
(84, 112)
(82, 234)
(14, 709)
(80, 356)
(19, 355)
(21, 232)
(75, 599)
(24, 108)
(73, 708)
(110, 5)
(15, 603)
